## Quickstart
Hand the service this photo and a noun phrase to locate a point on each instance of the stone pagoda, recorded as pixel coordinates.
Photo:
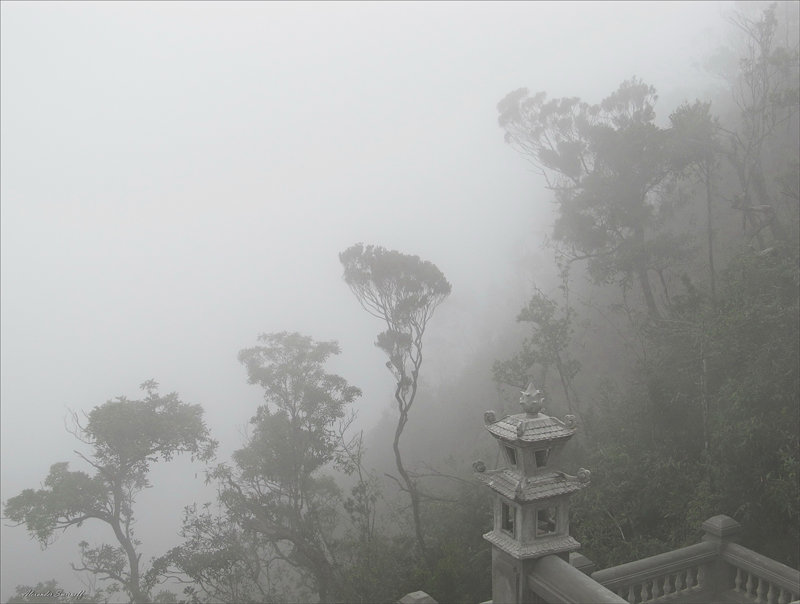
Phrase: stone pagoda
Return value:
(531, 495)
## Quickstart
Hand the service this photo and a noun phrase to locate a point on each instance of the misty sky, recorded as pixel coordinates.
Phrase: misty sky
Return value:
(177, 178)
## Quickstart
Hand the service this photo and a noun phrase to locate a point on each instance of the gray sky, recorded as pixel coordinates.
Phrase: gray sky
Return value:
(177, 178)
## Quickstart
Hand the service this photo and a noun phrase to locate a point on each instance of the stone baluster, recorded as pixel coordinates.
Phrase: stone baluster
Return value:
(771, 594)
(737, 582)
(702, 575)
(679, 580)
(760, 589)
(748, 587)
(656, 587)
(691, 577)
(668, 589)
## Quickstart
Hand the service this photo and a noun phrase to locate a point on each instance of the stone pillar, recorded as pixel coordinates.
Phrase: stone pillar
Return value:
(718, 575)
(721, 529)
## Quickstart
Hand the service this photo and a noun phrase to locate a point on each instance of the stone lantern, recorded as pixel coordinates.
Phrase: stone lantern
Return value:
(531, 495)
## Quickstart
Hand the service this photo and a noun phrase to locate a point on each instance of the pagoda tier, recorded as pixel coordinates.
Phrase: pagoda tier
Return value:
(522, 489)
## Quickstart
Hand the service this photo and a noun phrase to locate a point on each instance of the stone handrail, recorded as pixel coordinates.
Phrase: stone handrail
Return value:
(676, 573)
(555, 580)
(760, 578)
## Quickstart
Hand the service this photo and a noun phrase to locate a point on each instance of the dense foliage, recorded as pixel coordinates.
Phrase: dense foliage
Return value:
(709, 422)
(125, 436)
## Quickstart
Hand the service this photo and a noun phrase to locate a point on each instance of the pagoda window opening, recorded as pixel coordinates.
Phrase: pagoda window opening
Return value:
(542, 457)
(507, 518)
(512, 455)
(546, 521)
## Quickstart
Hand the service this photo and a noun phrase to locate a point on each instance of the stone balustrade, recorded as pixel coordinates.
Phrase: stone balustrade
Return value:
(678, 574)
(715, 570)
(760, 579)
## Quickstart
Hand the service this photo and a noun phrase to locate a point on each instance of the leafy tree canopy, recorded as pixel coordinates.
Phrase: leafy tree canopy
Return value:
(275, 490)
(608, 165)
(397, 288)
(126, 436)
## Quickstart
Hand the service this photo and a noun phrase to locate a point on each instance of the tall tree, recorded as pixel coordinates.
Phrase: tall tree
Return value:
(403, 292)
(606, 164)
(762, 147)
(695, 149)
(276, 487)
(126, 437)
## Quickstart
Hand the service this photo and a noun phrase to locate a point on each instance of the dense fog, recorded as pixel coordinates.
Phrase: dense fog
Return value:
(178, 178)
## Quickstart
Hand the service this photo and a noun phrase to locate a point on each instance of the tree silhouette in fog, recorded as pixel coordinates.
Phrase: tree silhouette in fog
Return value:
(403, 292)
(126, 437)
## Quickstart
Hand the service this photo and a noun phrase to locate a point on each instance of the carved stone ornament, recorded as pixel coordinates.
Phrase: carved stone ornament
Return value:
(521, 429)
(584, 475)
(570, 421)
(489, 417)
(532, 400)
(479, 466)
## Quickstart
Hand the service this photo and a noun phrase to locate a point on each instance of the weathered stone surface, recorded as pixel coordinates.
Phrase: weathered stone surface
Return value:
(721, 527)
(541, 428)
(523, 551)
(416, 597)
(520, 488)
(582, 563)
(554, 580)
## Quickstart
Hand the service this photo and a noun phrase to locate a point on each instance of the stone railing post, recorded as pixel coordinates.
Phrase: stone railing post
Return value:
(717, 574)
(416, 597)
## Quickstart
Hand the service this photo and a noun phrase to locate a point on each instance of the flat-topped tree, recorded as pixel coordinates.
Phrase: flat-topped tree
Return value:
(126, 437)
(403, 292)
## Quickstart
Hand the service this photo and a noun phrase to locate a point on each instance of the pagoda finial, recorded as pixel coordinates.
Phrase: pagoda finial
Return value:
(532, 399)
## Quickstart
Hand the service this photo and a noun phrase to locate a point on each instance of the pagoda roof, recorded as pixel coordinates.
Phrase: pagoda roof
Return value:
(531, 428)
(522, 489)
(536, 549)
